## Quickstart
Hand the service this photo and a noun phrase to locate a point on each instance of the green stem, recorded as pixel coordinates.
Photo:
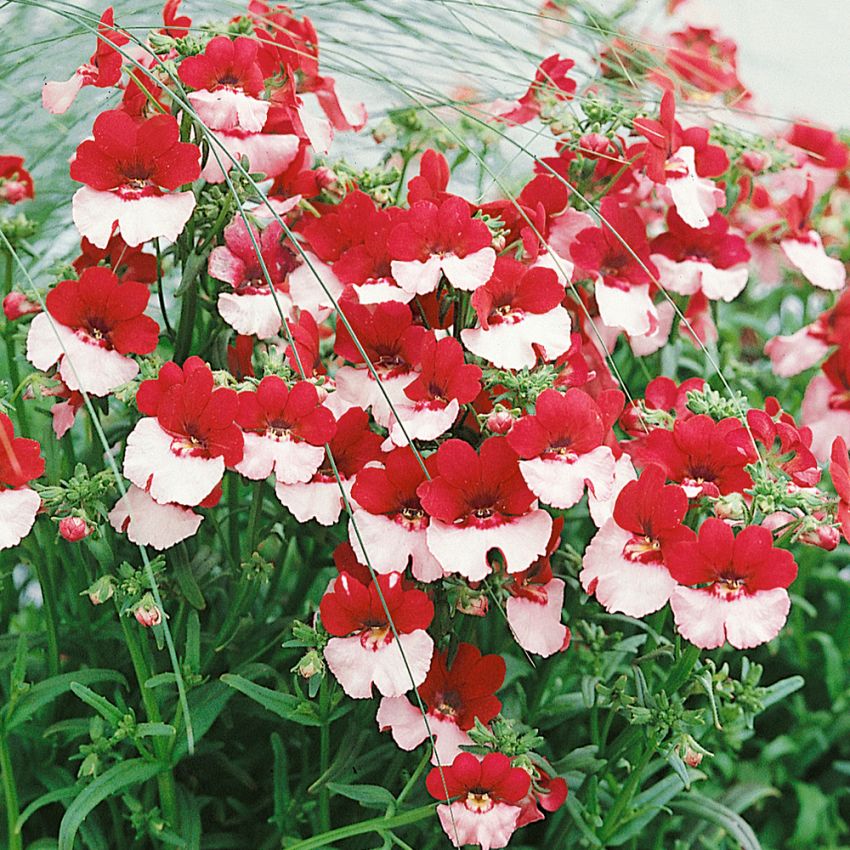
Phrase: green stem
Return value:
(160, 293)
(10, 794)
(379, 824)
(324, 755)
(255, 515)
(42, 572)
(8, 341)
(627, 793)
(187, 322)
(414, 777)
(165, 779)
(233, 516)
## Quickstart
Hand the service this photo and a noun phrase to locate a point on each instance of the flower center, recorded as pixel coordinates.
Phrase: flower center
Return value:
(642, 550)
(376, 637)
(479, 802)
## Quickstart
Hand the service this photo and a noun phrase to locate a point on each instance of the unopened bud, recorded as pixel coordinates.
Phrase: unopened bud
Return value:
(731, 507)
(755, 161)
(500, 421)
(102, 590)
(13, 191)
(824, 536)
(473, 605)
(147, 612)
(74, 528)
(16, 304)
(310, 665)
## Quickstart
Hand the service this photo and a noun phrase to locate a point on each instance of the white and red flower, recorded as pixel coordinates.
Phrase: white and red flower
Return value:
(520, 317)
(487, 794)
(103, 70)
(533, 608)
(228, 81)
(90, 327)
(709, 259)
(562, 446)
(625, 565)
(741, 597)
(251, 308)
(617, 254)
(454, 696)
(433, 399)
(179, 451)
(373, 646)
(285, 431)
(826, 403)
(20, 463)
(478, 502)
(432, 240)
(130, 171)
(352, 447)
(389, 522)
(146, 522)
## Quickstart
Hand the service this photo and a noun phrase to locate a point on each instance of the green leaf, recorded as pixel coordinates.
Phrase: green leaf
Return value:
(150, 730)
(283, 705)
(45, 800)
(369, 796)
(101, 705)
(779, 690)
(161, 679)
(188, 585)
(44, 692)
(718, 814)
(115, 780)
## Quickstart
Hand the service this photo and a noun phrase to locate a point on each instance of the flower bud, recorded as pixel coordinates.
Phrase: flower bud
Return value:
(824, 536)
(473, 605)
(102, 590)
(147, 612)
(731, 507)
(500, 421)
(13, 191)
(310, 665)
(16, 304)
(74, 528)
(755, 161)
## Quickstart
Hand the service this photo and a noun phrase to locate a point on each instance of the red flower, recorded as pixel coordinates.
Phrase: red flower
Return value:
(392, 489)
(822, 147)
(190, 409)
(139, 159)
(236, 261)
(276, 408)
(745, 563)
(618, 250)
(699, 454)
(465, 691)
(478, 488)
(443, 374)
(16, 305)
(353, 608)
(432, 180)
(661, 394)
(225, 63)
(713, 243)
(353, 446)
(551, 83)
(839, 469)
(177, 26)
(127, 263)
(699, 57)
(387, 335)
(15, 181)
(20, 458)
(481, 784)
(106, 311)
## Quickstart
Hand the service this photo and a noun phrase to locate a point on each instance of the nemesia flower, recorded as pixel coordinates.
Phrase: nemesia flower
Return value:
(618, 254)
(103, 70)
(698, 454)
(227, 80)
(455, 696)
(546, 792)
(625, 565)
(824, 154)
(682, 161)
(488, 792)
(707, 259)
(839, 470)
(520, 317)
(742, 597)
(20, 463)
(803, 246)
(433, 240)
(251, 309)
(705, 60)
(90, 327)
(392, 345)
(352, 447)
(433, 178)
(533, 608)
(146, 522)
(179, 451)
(663, 402)
(285, 430)
(561, 446)
(15, 181)
(129, 171)
(432, 400)
(389, 519)
(478, 502)
(364, 652)
(267, 153)
(127, 263)
(826, 404)
(550, 85)
(177, 26)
